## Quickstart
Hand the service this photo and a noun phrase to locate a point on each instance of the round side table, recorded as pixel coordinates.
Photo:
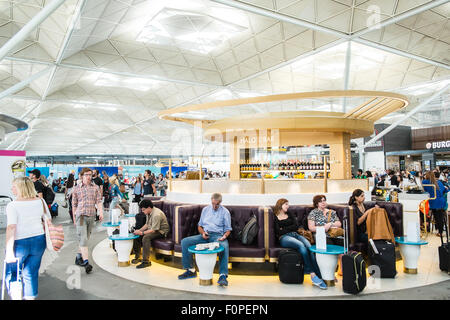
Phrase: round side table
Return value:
(131, 219)
(206, 260)
(327, 261)
(123, 248)
(110, 227)
(410, 252)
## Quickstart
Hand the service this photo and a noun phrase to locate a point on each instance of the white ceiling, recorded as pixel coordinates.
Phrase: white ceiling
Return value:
(114, 64)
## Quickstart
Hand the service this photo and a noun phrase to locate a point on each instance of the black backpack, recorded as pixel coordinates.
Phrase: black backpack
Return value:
(49, 195)
(248, 234)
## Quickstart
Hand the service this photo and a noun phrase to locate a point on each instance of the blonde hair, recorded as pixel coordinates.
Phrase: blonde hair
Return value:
(43, 179)
(25, 187)
(113, 180)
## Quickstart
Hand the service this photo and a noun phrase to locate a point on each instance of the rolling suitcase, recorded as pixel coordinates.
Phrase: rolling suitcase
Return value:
(382, 254)
(444, 251)
(290, 266)
(353, 268)
(15, 287)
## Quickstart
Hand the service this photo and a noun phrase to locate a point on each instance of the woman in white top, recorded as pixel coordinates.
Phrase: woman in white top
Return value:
(25, 235)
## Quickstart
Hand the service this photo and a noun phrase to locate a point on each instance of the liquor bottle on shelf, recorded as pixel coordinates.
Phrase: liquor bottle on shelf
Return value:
(292, 166)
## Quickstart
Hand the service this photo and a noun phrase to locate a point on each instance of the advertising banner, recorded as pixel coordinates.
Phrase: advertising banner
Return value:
(12, 165)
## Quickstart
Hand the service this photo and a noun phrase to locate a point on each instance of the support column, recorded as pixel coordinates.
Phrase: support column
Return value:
(234, 160)
(340, 158)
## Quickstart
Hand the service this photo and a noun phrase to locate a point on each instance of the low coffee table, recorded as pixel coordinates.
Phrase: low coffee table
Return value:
(206, 260)
(327, 261)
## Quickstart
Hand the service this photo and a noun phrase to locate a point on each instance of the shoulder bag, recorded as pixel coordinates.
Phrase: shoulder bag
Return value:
(54, 235)
(334, 232)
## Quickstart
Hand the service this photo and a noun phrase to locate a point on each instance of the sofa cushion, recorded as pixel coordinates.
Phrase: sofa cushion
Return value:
(163, 244)
(237, 249)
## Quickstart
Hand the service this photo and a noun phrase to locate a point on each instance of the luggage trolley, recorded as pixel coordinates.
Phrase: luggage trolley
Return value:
(4, 200)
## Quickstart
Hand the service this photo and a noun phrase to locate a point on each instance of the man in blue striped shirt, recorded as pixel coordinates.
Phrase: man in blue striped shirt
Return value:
(214, 225)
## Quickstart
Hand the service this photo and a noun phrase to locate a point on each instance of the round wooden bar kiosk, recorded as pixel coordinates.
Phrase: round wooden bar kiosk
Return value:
(273, 130)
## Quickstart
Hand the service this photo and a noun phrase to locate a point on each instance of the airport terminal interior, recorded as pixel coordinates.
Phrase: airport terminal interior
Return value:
(303, 146)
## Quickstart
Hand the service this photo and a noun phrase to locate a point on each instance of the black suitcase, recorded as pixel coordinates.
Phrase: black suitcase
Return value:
(290, 266)
(354, 278)
(444, 251)
(382, 254)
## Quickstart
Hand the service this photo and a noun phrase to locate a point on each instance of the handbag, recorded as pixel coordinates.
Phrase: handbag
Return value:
(334, 232)
(54, 234)
(306, 234)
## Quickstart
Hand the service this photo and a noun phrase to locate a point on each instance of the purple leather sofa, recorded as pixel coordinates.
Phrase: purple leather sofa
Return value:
(302, 212)
(395, 216)
(188, 216)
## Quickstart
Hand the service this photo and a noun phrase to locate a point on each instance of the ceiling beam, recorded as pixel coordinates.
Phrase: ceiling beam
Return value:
(29, 27)
(146, 119)
(22, 84)
(408, 115)
(399, 17)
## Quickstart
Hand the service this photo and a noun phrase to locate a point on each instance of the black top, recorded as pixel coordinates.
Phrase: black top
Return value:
(98, 181)
(39, 187)
(394, 181)
(105, 188)
(285, 226)
(362, 228)
(148, 189)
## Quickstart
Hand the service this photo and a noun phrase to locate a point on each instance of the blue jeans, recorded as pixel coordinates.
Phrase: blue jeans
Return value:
(29, 251)
(194, 240)
(114, 202)
(295, 241)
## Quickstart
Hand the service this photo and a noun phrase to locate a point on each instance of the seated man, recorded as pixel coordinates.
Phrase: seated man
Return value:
(155, 227)
(214, 225)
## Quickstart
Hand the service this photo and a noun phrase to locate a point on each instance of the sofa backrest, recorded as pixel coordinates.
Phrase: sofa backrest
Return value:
(240, 215)
(302, 212)
(395, 215)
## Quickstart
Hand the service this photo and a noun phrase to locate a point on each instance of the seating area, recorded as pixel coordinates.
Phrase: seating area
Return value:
(183, 219)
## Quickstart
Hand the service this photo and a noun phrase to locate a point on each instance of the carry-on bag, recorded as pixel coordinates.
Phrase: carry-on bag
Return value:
(354, 278)
(382, 254)
(290, 266)
(15, 287)
(444, 250)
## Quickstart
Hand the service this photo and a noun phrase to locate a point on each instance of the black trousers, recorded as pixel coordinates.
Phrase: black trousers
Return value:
(439, 218)
(137, 198)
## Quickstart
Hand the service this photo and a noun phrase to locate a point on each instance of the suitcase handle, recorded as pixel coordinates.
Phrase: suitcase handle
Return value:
(373, 246)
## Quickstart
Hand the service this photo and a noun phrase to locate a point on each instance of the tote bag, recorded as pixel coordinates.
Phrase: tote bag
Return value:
(54, 234)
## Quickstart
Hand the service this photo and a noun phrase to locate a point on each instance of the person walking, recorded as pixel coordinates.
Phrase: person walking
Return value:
(161, 185)
(34, 176)
(138, 190)
(149, 184)
(25, 236)
(86, 201)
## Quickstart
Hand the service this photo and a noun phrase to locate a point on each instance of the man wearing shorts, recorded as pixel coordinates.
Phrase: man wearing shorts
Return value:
(86, 202)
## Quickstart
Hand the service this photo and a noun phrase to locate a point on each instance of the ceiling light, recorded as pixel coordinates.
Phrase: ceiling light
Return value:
(191, 31)
(110, 80)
